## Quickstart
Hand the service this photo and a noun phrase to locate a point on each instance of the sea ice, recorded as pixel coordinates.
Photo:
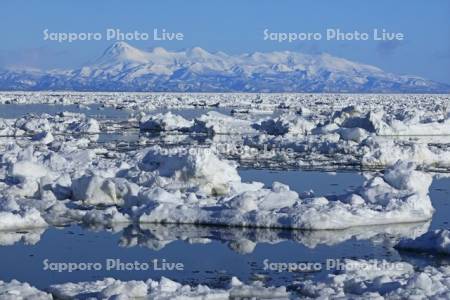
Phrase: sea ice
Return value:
(217, 123)
(400, 195)
(354, 279)
(365, 279)
(21, 220)
(195, 186)
(437, 241)
(165, 288)
(285, 124)
(16, 290)
(164, 122)
(76, 178)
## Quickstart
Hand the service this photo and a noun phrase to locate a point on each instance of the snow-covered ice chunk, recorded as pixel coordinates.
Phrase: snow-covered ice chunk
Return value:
(95, 190)
(202, 169)
(217, 123)
(379, 279)
(44, 137)
(164, 122)
(89, 126)
(436, 241)
(20, 220)
(109, 217)
(285, 124)
(33, 124)
(24, 170)
(353, 134)
(16, 290)
(384, 152)
(410, 125)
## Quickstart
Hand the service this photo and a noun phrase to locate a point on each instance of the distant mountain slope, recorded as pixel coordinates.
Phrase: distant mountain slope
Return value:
(125, 68)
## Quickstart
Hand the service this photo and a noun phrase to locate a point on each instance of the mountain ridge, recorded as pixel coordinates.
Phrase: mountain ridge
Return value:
(123, 67)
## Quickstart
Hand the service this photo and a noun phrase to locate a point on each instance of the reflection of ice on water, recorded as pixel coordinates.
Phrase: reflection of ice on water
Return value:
(241, 240)
(244, 240)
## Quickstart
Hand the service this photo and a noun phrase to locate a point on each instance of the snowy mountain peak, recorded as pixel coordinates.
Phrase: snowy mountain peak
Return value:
(119, 47)
(198, 52)
(125, 68)
(121, 52)
(159, 51)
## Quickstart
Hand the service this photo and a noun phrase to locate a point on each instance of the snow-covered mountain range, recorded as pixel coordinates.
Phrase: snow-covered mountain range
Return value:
(125, 68)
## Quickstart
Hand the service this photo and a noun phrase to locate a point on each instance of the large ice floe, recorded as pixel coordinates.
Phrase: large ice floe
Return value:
(399, 195)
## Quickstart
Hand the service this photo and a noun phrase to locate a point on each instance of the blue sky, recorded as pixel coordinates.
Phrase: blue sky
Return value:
(233, 26)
